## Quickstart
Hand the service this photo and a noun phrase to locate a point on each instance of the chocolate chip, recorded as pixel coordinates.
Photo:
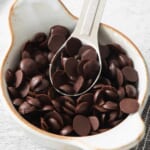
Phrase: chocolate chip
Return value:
(57, 116)
(123, 59)
(129, 105)
(18, 101)
(113, 69)
(13, 92)
(67, 88)
(78, 84)
(42, 86)
(55, 42)
(94, 122)
(58, 29)
(111, 94)
(98, 95)
(105, 51)
(121, 92)
(54, 124)
(28, 66)
(72, 47)
(70, 106)
(43, 124)
(44, 99)
(24, 89)
(71, 67)
(50, 56)
(47, 108)
(112, 116)
(89, 55)
(9, 76)
(119, 77)
(130, 74)
(116, 48)
(110, 105)
(56, 105)
(88, 97)
(131, 91)
(68, 111)
(80, 67)
(81, 125)
(25, 54)
(63, 61)
(66, 130)
(82, 108)
(19, 78)
(83, 48)
(34, 101)
(26, 108)
(100, 109)
(41, 60)
(57, 78)
(91, 69)
(35, 81)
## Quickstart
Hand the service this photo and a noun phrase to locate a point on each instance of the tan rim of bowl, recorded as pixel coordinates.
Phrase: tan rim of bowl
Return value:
(17, 115)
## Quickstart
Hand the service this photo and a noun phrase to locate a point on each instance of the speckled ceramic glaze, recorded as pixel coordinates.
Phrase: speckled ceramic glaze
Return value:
(28, 17)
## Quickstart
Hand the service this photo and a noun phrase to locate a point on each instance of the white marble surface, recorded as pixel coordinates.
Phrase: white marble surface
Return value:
(129, 16)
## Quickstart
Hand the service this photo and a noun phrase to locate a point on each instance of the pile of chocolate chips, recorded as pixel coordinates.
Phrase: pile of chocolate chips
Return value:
(107, 104)
(75, 68)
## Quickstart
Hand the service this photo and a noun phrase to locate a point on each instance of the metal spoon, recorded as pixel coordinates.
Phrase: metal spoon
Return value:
(86, 30)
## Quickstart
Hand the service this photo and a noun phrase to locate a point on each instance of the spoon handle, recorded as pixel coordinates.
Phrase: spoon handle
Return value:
(90, 17)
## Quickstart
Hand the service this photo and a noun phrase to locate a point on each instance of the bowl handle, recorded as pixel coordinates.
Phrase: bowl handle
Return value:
(122, 137)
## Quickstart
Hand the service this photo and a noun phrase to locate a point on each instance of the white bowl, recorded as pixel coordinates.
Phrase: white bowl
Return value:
(28, 17)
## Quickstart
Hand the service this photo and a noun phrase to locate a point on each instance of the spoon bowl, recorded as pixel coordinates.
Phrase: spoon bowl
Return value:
(85, 33)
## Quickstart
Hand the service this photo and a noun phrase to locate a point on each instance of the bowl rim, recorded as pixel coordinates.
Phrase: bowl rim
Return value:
(18, 116)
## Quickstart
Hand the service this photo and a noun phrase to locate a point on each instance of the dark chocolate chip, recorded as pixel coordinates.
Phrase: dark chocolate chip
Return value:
(131, 91)
(40, 37)
(34, 101)
(91, 69)
(18, 101)
(129, 105)
(35, 81)
(66, 130)
(71, 67)
(13, 92)
(78, 84)
(82, 108)
(9, 76)
(28, 66)
(26, 108)
(110, 105)
(24, 89)
(19, 78)
(59, 78)
(104, 50)
(83, 48)
(43, 124)
(54, 124)
(81, 125)
(67, 88)
(119, 77)
(121, 92)
(94, 122)
(130, 74)
(72, 47)
(88, 97)
(55, 42)
(89, 55)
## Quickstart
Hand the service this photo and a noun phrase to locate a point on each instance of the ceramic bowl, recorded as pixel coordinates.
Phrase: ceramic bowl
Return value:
(28, 17)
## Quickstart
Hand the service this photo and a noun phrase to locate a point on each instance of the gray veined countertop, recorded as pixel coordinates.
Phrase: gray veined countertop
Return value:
(130, 17)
